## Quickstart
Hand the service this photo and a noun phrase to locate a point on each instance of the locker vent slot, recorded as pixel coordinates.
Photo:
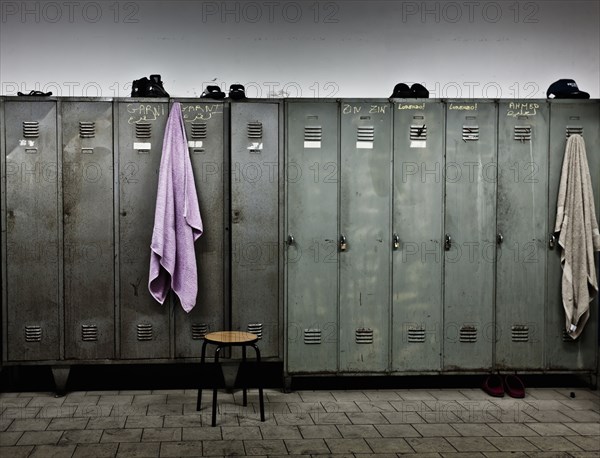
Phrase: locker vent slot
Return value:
(198, 130)
(364, 336)
(567, 338)
(143, 130)
(256, 328)
(416, 335)
(31, 129)
(523, 133)
(574, 130)
(87, 129)
(144, 331)
(468, 334)
(313, 133)
(365, 134)
(33, 333)
(255, 130)
(418, 132)
(520, 333)
(199, 330)
(470, 133)
(312, 336)
(89, 332)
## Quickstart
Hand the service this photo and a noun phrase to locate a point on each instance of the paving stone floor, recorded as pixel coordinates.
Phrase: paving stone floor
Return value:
(558, 422)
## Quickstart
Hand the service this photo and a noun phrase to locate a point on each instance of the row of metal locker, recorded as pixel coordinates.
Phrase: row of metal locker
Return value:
(352, 236)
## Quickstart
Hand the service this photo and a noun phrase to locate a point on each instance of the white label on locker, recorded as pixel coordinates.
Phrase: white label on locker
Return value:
(312, 144)
(364, 145)
(24, 142)
(418, 143)
(142, 145)
(256, 146)
(195, 144)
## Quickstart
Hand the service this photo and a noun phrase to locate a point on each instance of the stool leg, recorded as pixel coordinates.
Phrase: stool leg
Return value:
(214, 401)
(245, 391)
(202, 363)
(260, 390)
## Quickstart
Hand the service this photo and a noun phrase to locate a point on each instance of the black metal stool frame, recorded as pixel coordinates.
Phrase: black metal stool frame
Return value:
(245, 397)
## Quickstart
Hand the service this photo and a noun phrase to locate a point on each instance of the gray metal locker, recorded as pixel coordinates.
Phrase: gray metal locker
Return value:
(33, 305)
(312, 177)
(204, 131)
(568, 117)
(88, 228)
(365, 236)
(521, 212)
(255, 222)
(470, 234)
(418, 220)
(144, 323)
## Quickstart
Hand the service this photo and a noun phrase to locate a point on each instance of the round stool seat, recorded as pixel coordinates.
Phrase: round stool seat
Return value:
(230, 337)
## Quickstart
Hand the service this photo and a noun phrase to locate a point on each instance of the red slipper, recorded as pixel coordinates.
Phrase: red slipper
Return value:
(492, 385)
(514, 386)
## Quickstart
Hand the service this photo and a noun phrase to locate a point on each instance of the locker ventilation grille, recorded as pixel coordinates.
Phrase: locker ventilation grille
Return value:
(144, 331)
(198, 130)
(416, 335)
(470, 133)
(468, 334)
(87, 129)
(365, 134)
(89, 332)
(33, 333)
(256, 328)
(31, 129)
(418, 132)
(255, 130)
(520, 333)
(143, 130)
(313, 133)
(364, 336)
(199, 330)
(574, 130)
(312, 336)
(523, 133)
(567, 338)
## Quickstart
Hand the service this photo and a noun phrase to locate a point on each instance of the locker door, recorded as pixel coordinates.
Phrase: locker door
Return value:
(470, 234)
(418, 232)
(521, 234)
(32, 248)
(88, 227)
(255, 222)
(366, 156)
(144, 322)
(204, 130)
(312, 219)
(568, 117)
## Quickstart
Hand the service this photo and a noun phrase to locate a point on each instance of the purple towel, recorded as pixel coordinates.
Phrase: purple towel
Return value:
(177, 221)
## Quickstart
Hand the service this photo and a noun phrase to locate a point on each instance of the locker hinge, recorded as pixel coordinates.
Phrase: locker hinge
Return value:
(256, 328)
(312, 336)
(33, 333)
(87, 129)
(520, 333)
(363, 336)
(144, 331)
(89, 332)
(468, 334)
(31, 129)
(199, 330)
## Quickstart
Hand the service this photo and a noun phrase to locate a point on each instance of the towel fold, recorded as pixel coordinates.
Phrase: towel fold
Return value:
(579, 236)
(177, 220)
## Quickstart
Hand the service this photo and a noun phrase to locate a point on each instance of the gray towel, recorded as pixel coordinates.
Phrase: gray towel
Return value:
(579, 237)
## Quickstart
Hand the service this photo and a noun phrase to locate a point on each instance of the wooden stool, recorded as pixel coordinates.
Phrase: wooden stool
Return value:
(223, 339)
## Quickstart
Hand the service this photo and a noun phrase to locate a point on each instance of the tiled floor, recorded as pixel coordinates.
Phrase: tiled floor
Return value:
(559, 422)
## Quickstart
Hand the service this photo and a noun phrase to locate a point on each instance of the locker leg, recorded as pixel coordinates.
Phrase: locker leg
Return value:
(287, 384)
(61, 375)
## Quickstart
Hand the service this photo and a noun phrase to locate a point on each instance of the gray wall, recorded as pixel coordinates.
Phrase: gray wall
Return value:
(300, 48)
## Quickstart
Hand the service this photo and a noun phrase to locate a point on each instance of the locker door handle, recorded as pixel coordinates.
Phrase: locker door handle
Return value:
(343, 243)
(291, 241)
(499, 238)
(396, 242)
(552, 242)
(447, 243)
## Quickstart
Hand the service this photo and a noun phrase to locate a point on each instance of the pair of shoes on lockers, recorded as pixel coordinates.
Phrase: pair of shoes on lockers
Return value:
(495, 386)
(416, 91)
(236, 92)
